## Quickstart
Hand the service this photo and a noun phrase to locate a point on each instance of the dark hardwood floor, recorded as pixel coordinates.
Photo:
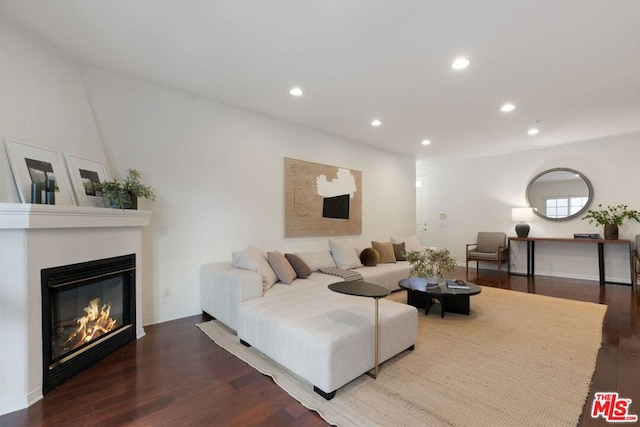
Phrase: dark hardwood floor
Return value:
(177, 376)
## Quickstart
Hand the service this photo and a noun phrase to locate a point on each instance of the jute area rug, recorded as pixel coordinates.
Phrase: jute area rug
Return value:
(517, 360)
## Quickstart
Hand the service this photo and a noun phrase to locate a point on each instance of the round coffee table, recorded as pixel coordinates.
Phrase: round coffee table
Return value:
(453, 295)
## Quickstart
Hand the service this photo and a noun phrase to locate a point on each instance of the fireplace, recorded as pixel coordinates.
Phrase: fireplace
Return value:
(36, 237)
(88, 311)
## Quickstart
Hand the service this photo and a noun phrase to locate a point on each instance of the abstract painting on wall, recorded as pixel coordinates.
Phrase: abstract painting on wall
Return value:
(321, 200)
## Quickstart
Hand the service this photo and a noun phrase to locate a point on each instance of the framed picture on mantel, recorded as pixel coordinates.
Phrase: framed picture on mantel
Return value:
(33, 164)
(86, 178)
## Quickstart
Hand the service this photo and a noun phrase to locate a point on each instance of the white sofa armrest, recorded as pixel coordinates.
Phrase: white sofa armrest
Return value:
(222, 289)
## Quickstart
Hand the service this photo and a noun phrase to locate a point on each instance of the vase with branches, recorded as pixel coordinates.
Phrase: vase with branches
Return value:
(124, 194)
(611, 218)
(431, 263)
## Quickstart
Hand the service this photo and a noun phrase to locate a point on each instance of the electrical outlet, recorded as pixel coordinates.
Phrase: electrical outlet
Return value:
(166, 292)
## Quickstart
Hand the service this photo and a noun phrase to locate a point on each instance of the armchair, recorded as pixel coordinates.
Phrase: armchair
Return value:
(489, 247)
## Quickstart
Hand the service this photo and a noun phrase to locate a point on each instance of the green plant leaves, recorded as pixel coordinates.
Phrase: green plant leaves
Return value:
(611, 215)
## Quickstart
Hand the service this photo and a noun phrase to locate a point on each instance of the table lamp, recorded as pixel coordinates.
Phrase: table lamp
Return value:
(521, 215)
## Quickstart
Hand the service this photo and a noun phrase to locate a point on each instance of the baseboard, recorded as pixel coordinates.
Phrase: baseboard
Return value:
(140, 333)
(593, 278)
(171, 316)
(20, 403)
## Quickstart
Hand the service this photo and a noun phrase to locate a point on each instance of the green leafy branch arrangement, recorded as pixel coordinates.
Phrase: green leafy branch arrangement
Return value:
(120, 192)
(430, 262)
(611, 215)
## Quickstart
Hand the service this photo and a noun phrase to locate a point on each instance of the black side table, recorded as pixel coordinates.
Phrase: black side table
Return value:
(361, 288)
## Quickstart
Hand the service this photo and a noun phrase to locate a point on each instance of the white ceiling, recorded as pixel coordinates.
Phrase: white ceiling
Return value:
(573, 65)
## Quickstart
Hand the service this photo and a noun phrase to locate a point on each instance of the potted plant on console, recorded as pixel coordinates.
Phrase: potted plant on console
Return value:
(124, 195)
(431, 263)
(611, 217)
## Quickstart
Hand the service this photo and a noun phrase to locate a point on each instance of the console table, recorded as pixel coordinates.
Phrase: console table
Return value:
(531, 241)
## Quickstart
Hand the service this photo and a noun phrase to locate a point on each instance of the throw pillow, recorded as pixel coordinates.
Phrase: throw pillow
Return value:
(281, 267)
(399, 251)
(369, 257)
(254, 259)
(301, 268)
(317, 260)
(411, 243)
(385, 249)
(344, 254)
(359, 245)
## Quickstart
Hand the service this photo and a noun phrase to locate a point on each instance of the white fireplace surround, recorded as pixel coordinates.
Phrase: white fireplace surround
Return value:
(33, 237)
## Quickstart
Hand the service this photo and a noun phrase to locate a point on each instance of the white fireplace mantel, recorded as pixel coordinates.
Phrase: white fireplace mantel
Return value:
(34, 237)
(27, 216)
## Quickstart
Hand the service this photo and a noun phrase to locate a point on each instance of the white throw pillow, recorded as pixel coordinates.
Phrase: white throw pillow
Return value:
(360, 245)
(317, 260)
(253, 259)
(411, 243)
(344, 254)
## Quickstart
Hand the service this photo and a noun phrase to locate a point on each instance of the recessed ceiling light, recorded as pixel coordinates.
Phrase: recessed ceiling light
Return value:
(507, 107)
(425, 142)
(376, 122)
(533, 131)
(460, 63)
(296, 91)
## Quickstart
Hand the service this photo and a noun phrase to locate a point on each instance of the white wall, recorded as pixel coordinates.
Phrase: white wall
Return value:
(478, 194)
(42, 102)
(218, 172)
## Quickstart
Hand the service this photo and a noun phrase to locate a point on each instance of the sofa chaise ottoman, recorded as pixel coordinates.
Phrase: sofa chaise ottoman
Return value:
(324, 337)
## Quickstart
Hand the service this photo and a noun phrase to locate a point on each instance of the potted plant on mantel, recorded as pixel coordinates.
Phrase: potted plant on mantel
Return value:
(611, 217)
(124, 195)
(431, 263)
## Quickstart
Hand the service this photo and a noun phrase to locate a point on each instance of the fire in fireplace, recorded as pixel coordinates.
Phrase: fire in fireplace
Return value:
(88, 311)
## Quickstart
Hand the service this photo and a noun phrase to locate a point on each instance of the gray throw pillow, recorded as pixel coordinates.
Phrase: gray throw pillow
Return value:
(399, 251)
(301, 268)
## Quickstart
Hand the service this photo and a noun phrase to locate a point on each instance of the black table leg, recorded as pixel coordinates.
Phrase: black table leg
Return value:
(428, 302)
(601, 262)
(456, 304)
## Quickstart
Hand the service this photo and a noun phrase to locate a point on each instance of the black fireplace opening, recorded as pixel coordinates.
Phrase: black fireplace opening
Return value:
(88, 311)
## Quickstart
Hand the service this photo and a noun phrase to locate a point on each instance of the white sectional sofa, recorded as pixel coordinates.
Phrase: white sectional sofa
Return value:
(326, 338)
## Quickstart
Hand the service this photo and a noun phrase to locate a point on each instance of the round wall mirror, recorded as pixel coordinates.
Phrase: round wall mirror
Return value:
(559, 194)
